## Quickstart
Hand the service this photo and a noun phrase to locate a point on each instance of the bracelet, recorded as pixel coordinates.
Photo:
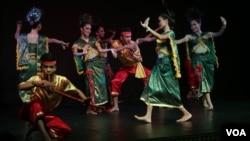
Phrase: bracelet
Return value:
(224, 26)
(147, 29)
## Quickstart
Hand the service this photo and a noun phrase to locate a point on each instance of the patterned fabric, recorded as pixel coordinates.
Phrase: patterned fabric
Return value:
(79, 60)
(96, 81)
(93, 66)
(28, 59)
(201, 53)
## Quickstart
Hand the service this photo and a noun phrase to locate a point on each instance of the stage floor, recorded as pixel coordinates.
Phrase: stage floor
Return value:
(122, 126)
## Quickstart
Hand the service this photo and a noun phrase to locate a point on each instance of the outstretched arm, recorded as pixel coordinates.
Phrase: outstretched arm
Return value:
(183, 40)
(120, 48)
(56, 41)
(222, 29)
(98, 45)
(101, 50)
(146, 39)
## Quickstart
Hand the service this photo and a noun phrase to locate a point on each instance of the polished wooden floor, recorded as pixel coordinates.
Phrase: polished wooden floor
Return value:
(122, 126)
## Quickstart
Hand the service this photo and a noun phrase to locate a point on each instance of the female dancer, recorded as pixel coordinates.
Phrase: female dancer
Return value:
(201, 57)
(162, 88)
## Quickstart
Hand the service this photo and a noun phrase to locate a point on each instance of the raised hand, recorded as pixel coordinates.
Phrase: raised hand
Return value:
(224, 21)
(145, 24)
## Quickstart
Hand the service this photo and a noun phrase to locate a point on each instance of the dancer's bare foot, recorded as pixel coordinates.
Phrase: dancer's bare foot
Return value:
(205, 104)
(91, 112)
(114, 109)
(184, 118)
(210, 107)
(143, 118)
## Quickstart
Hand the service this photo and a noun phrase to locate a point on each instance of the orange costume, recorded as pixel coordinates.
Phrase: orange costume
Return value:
(129, 66)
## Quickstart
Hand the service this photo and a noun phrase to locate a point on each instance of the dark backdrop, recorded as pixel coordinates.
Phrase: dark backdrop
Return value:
(61, 22)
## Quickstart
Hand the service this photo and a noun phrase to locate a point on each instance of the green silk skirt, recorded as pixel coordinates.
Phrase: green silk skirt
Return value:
(162, 88)
(96, 81)
(206, 73)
